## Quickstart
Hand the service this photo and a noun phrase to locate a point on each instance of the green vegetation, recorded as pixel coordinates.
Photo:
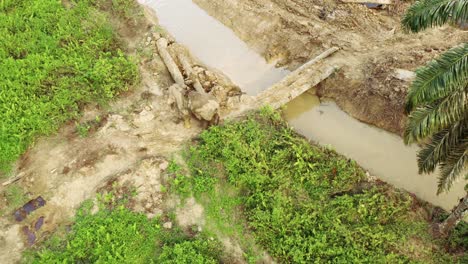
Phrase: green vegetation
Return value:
(266, 188)
(54, 60)
(437, 103)
(191, 252)
(300, 202)
(118, 235)
(432, 13)
(109, 236)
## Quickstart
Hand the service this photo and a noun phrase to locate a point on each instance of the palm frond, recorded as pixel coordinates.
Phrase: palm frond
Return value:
(431, 13)
(439, 148)
(440, 77)
(453, 167)
(432, 118)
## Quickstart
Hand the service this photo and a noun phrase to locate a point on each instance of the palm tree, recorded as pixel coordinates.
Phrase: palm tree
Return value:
(437, 103)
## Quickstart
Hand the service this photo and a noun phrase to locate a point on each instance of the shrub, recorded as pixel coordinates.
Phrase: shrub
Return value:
(109, 236)
(303, 203)
(117, 235)
(191, 252)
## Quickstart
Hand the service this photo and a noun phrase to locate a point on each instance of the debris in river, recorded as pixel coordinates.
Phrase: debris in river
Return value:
(28, 208)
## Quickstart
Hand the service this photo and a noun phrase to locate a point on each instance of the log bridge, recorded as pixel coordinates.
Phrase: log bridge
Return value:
(296, 83)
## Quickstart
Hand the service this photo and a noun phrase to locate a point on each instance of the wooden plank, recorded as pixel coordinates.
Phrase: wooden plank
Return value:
(296, 83)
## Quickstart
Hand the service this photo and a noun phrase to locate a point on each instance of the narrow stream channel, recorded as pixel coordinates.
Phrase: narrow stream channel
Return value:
(215, 45)
(382, 153)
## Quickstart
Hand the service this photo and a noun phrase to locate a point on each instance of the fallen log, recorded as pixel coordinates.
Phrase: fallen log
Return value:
(379, 2)
(190, 73)
(279, 96)
(296, 83)
(170, 63)
(292, 77)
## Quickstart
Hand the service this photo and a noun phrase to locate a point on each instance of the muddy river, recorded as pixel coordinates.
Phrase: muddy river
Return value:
(382, 153)
(215, 45)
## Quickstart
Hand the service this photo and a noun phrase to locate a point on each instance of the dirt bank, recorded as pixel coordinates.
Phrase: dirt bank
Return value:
(372, 42)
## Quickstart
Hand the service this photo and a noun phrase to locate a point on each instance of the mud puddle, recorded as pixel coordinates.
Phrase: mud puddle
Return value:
(382, 153)
(215, 45)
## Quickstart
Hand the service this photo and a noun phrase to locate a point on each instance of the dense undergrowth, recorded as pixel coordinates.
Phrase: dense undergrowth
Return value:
(302, 203)
(265, 188)
(117, 235)
(53, 60)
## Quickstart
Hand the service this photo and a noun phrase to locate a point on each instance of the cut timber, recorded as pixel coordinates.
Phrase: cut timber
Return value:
(297, 82)
(278, 96)
(170, 64)
(293, 85)
(380, 2)
(190, 73)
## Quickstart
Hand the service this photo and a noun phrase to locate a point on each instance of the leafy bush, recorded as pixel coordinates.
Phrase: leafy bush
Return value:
(109, 236)
(300, 200)
(54, 60)
(119, 235)
(14, 197)
(458, 239)
(191, 252)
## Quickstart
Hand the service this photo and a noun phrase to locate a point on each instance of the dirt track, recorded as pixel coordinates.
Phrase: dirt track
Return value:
(294, 31)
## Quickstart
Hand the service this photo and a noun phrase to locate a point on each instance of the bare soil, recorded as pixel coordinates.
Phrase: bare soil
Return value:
(372, 44)
(128, 145)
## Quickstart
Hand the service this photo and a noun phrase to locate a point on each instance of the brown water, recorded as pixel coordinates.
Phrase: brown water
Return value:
(382, 153)
(215, 45)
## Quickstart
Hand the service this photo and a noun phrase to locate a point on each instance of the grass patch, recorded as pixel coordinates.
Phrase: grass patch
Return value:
(115, 234)
(54, 60)
(301, 202)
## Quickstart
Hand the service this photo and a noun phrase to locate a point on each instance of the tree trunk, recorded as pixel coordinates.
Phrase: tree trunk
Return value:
(457, 214)
(190, 74)
(170, 64)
